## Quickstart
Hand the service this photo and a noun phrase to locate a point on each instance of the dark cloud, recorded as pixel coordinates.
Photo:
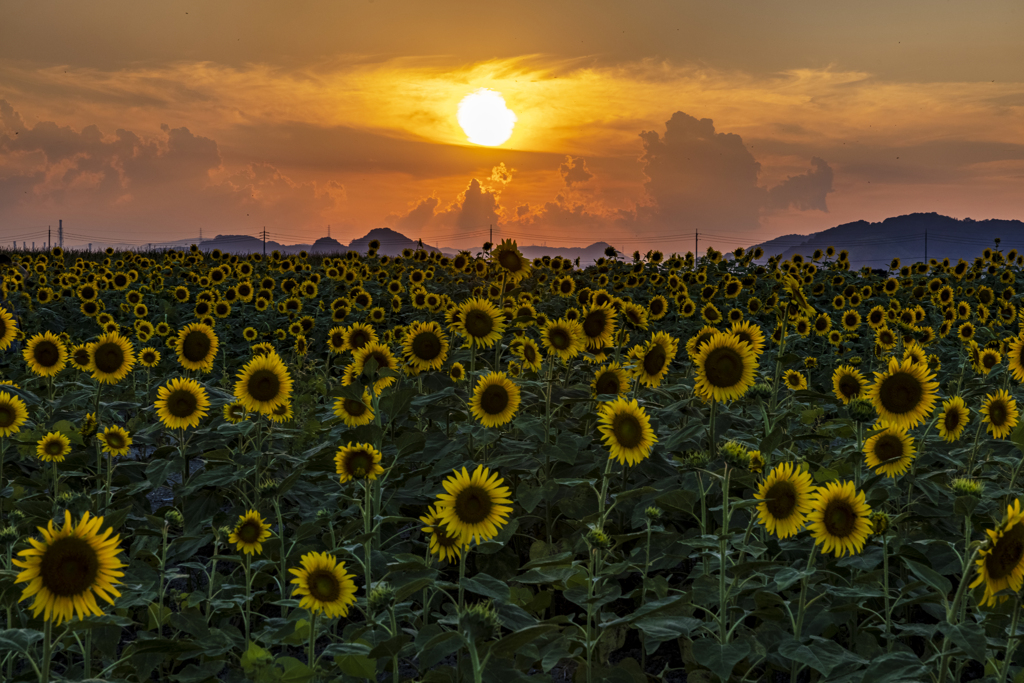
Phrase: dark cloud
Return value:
(806, 191)
(477, 207)
(574, 171)
(416, 218)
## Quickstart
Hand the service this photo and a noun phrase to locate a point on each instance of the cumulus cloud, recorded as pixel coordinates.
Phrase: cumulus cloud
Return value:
(574, 171)
(415, 218)
(806, 191)
(174, 181)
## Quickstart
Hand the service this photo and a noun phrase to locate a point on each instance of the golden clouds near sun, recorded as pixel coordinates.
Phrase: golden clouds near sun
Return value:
(485, 118)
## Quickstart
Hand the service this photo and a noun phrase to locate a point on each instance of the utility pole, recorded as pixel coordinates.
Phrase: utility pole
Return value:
(491, 226)
(696, 246)
(60, 232)
(328, 231)
(49, 238)
(264, 240)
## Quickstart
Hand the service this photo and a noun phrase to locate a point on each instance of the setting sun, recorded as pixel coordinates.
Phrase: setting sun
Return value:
(485, 118)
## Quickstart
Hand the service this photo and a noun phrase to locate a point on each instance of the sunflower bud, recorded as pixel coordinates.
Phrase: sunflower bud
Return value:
(9, 535)
(695, 460)
(174, 518)
(879, 523)
(381, 596)
(968, 487)
(810, 362)
(736, 454)
(269, 486)
(761, 390)
(756, 462)
(856, 360)
(480, 621)
(16, 517)
(598, 539)
(89, 424)
(861, 410)
(223, 532)
(653, 513)
(323, 514)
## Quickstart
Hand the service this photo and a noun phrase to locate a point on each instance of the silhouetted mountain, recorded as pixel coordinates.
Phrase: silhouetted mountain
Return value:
(906, 237)
(391, 243)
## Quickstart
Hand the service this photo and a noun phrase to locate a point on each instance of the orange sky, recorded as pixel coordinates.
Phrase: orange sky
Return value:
(638, 123)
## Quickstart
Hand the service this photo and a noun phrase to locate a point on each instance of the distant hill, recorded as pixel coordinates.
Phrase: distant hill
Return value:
(391, 242)
(875, 244)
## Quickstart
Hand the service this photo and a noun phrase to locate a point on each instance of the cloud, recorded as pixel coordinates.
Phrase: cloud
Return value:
(416, 218)
(806, 191)
(574, 171)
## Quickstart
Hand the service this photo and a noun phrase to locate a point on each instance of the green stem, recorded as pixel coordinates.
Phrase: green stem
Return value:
(802, 606)
(604, 492)
(47, 651)
(248, 597)
(712, 437)
(591, 579)
(778, 359)
(723, 541)
(974, 448)
(310, 656)
(952, 616)
(367, 534)
(284, 554)
(885, 587)
(1010, 642)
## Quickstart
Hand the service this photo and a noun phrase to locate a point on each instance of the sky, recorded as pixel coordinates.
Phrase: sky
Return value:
(637, 123)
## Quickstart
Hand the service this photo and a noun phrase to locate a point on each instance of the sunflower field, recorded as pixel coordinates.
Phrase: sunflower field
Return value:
(429, 468)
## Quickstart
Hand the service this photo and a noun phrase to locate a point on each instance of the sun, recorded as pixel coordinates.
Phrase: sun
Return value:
(485, 118)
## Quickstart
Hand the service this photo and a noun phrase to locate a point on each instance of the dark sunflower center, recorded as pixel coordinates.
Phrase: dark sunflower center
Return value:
(53, 447)
(627, 430)
(196, 346)
(796, 379)
(426, 346)
(359, 339)
(900, 393)
(1006, 554)
(724, 367)
(69, 567)
(478, 323)
(46, 354)
(849, 386)
(594, 324)
(988, 360)
(510, 261)
(249, 532)
(654, 360)
(781, 499)
(108, 357)
(148, 357)
(182, 403)
(358, 464)
(337, 340)
(656, 307)
(323, 585)
(565, 287)
(115, 440)
(888, 448)
(354, 408)
(443, 538)
(529, 354)
(839, 518)
(473, 505)
(264, 385)
(608, 383)
(997, 413)
(494, 399)
(559, 339)
(7, 415)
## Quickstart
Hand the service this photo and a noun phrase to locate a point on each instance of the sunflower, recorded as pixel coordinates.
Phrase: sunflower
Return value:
(988, 359)
(53, 447)
(751, 334)
(599, 326)
(786, 496)
(475, 506)
(851, 320)
(481, 322)
(890, 451)
(116, 440)
(627, 431)
(263, 384)
(527, 350)
(512, 264)
(13, 414)
(336, 339)
(495, 400)
(282, 413)
(1001, 562)
(197, 347)
(457, 372)
(149, 357)
(903, 393)
(1000, 411)
(1016, 358)
(69, 568)
(847, 383)
(610, 379)
(794, 379)
(426, 346)
(382, 355)
(112, 358)
(725, 368)
(563, 338)
(181, 403)
(657, 307)
(703, 335)
(234, 412)
(446, 546)
(324, 585)
(355, 413)
(357, 461)
(840, 519)
(8, 329)
(359, 335)
(249, 533)
(45, 354)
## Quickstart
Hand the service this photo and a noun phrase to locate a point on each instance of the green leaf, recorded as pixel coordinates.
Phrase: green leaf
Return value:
(821, 655)
(511, 643)
(660, 629)
(18, 639)
(968, 636)
(721, 659)
(895, 667)
(255, 657)
(930, 577)
(353, 659)
(487, 586)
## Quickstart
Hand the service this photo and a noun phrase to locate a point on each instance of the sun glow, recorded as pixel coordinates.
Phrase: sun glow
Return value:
(485, 118)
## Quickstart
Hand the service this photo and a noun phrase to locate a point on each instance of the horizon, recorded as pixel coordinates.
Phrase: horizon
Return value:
(149, 124)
